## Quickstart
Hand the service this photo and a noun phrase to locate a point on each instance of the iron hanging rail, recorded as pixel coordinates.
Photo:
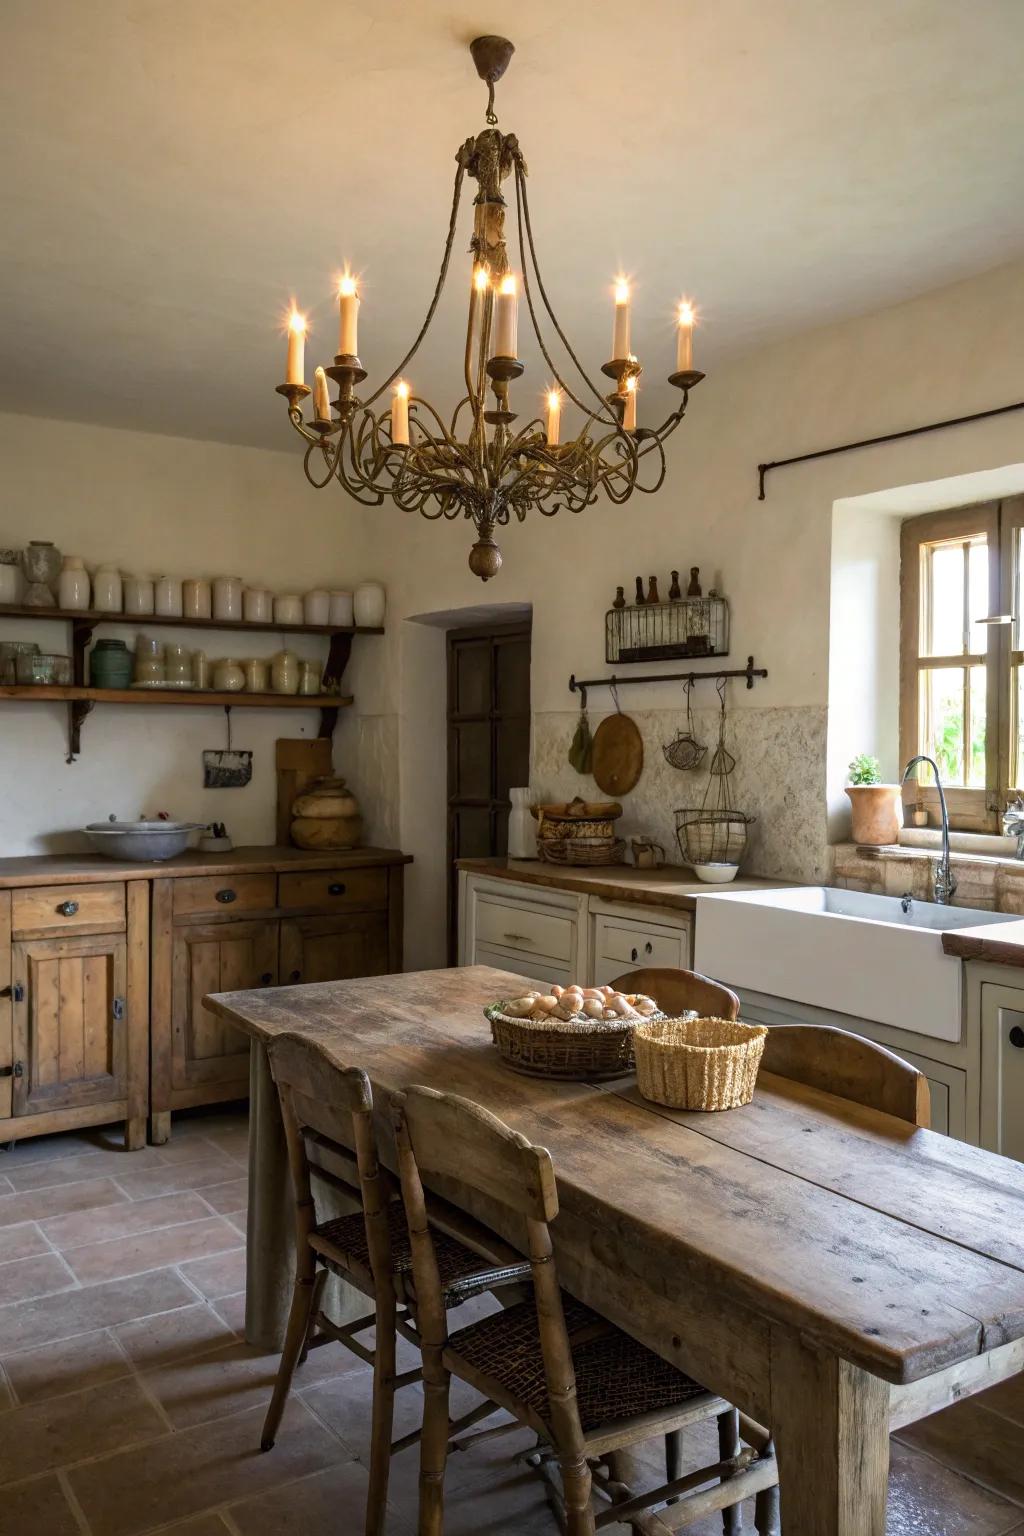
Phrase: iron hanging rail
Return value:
(886, 437)
(580, 685)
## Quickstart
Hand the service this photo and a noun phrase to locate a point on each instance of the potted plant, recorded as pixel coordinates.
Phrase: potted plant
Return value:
(877, 808)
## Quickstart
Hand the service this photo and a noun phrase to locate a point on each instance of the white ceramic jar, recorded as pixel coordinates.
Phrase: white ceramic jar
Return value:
(138, 594)
(309, 678)
(341, 610)
(257, 675)
(196, 599)
(258, 605)
(284, 672)
(107, 590)
(167, 597)
(228, 675)
(522, 829)
(73, 586)
(288, 610)
(368, 604)
(316, 606)
(10, 577)
(227, 598)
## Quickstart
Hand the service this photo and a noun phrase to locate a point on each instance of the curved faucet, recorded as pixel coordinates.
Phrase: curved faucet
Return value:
(944, 882)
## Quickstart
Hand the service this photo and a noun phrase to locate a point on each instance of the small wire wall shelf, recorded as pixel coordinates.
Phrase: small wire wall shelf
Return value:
(690, 626)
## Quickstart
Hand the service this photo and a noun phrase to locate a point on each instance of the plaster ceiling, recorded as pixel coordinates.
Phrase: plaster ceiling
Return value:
(176, 169)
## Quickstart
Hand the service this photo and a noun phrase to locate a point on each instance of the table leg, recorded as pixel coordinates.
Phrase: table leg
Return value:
(270, 1256)
(830, 1422)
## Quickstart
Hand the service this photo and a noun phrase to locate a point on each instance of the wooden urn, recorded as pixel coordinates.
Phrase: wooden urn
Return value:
(326, 816)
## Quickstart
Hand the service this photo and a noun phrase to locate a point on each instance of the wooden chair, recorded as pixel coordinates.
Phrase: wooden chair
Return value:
(677, 991)
(327, 1111)
(850, 1067)
(584, 1387)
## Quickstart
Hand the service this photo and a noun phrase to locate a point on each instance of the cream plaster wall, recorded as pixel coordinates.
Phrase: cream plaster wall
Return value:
(163, 504)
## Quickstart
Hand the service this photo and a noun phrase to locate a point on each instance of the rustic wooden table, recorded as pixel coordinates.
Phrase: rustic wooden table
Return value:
(833, 1272)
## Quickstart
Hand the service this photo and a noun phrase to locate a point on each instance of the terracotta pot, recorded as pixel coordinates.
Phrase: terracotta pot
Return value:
(877, 813)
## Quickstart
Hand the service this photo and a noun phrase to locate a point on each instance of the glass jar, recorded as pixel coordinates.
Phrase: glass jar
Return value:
(228, 676)
(138, 594)
(10, 650)
(44, 669)
(309, 678)
(167, 597)
(284, 672)
(107, 591)
(149, 662)
(200, 670)
(178, 666)
(257, 675)
(110, 664)
(197, 599)
(227, 598)
(73, 585)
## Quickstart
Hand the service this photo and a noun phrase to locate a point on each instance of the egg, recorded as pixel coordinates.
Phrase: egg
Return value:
(557, 991)
(609, 1014)
(593, 1008)
(547, 1004)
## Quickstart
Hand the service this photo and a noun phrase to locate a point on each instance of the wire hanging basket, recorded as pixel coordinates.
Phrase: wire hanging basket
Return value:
(714, 833)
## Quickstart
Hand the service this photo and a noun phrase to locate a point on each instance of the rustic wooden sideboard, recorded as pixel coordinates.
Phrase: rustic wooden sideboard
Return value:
(103, 967)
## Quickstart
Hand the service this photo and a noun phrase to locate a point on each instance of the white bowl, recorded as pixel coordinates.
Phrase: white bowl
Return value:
(716, 874)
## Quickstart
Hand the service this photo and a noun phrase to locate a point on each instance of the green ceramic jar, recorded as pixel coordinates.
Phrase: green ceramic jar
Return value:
(110, 664)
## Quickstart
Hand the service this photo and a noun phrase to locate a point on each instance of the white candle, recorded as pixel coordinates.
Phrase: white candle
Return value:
(400, 415)
(554, 417)
(348, 329)
(620, 330)
(629, 414)
(295, 373)
(684, 339)
(506, 319)
(321, 399)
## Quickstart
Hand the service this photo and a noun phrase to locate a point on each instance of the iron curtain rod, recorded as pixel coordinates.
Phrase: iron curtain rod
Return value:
(887, 437)
(581, 685)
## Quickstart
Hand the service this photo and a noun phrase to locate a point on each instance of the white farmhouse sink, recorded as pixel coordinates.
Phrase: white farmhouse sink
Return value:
(846, 951)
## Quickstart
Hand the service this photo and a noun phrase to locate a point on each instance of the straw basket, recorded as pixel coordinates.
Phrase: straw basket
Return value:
(582, 1052)
(698, 1063)
(572, 850)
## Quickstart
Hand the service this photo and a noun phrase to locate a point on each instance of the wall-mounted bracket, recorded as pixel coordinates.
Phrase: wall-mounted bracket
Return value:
(77, 711)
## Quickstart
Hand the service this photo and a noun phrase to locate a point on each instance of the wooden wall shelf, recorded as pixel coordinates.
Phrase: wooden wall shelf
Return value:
(91, 617)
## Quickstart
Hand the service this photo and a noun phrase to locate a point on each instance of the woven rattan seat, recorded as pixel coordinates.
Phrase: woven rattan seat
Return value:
(342, 1243)
(616, 1378)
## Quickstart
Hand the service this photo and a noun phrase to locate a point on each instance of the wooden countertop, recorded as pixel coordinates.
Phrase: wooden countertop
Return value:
(672, 886)
(1002, 943)
(86, 868)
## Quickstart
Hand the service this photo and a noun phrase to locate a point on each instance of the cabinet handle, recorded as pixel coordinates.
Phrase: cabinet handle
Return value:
(226, 896)
(67, 908)
(18, 992)
(17, 1069)
(266, 978)
(633, 955)
(337, 889)
(515, 938)
(117, 1008)
(648, 948)
(295, 976)
(1017, 1037)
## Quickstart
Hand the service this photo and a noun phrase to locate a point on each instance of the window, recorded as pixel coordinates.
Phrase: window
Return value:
(961, 675)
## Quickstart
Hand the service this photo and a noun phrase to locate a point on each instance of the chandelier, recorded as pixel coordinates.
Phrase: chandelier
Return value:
(477, 464)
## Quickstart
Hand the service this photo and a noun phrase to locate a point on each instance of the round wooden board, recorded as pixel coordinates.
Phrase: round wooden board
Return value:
(618, 759)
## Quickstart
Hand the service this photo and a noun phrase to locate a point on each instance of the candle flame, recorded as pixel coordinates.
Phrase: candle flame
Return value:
(508, 283)
(554, 399)
(621, 291)
(687, 313)
(631, 384)
(346, 286)
(402, 389)
(297, 322)
(481, 279)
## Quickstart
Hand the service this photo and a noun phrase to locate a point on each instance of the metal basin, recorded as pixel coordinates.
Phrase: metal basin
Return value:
(140, 841)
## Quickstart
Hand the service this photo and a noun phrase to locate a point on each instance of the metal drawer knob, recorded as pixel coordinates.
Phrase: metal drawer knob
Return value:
(634, 954)
(68, 908)
(1017, 1037)
(17, 1069)
(295, 976)
(266, 978)
(648, 948)
(337, 889)
(226, 896)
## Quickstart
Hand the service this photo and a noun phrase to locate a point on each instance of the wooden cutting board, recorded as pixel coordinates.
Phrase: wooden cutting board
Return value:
(618, 758)
(300, 760)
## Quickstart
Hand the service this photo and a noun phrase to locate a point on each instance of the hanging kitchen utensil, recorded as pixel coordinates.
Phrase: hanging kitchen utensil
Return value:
(581, 748)
(226, 770)
(618, 756)
(713, 839)
(685, 752)
(722, 762)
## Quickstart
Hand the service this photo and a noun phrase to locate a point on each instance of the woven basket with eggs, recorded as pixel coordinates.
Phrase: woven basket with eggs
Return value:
(582, 1033)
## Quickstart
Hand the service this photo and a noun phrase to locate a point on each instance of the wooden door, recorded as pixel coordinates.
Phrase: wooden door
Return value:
(6, 1035)
(70, 1022)
(333, 948)
(215, 957)
(488, 744)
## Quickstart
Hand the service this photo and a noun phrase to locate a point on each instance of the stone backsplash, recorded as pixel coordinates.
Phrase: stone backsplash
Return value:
(997, 885)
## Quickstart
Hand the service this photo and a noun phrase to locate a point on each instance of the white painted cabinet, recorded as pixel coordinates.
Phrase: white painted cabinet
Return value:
(1002, 1067)
(622, 940)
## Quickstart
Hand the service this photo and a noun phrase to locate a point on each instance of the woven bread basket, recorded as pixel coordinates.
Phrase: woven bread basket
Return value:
(698, 1063)
(583, 851)
(577, 1051)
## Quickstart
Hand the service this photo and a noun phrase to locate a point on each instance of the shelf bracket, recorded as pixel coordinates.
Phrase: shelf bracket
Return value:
(337, 661)
(77, 711)
(328, 720)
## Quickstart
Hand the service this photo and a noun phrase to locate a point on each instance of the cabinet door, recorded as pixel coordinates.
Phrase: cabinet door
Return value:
(70, 1022)
(6, 1037)
(1002, 1069)
(215, 957)
(333, 948)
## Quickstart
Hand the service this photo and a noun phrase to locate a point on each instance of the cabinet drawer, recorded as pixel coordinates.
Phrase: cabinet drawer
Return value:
(224, 893)
(351, 890)
(642, 946)
(519, 929)
(55, 908)
(533, 967)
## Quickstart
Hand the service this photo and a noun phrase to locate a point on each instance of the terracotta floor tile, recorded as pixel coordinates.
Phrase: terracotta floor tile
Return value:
(169, 1178)
(123, 1220)
(234, 1378)
(228, 1198)
(310, 1505)
(235, 1143)
(232, 1310)
(6, 1395)
(5, 1185)
(38, 1276)
(156, 1341)
(66, 1366)
(83, 1165)
(193, 1471)
(30, 1323)
(50, 1434)
(151, 1250)
(40, 1149)
(926, 1498)
(57, 1200)
(202, 1525)
(981, 1445)
(185, 1150)
(39, 1507)
(222, 1275)
(21, 1242)
(344, 1404)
